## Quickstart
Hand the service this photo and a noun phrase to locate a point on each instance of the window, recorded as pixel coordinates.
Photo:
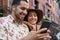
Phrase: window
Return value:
(43, 9)
(36, 3)
(48, 12)
(49, 15)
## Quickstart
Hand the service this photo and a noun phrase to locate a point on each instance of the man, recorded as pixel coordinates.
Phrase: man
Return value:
(13, 28)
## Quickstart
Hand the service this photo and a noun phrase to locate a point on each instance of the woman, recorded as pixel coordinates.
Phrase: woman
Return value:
(33, 17)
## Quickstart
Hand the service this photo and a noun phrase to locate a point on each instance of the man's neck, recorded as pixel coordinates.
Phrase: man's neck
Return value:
(16, 20)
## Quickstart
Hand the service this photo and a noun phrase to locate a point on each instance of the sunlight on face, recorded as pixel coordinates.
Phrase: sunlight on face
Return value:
(32, 17)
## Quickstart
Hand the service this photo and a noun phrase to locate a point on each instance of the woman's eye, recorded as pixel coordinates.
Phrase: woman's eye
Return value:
(29, 15)
(35, 15)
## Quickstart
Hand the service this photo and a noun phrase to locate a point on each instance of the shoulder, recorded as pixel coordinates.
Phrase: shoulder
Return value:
(25, 25)
(3, 20)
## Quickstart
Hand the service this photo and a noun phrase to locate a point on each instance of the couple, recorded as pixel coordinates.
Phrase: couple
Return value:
(13, 27)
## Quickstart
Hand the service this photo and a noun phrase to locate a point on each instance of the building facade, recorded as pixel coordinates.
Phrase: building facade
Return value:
(3, 3)
(49, 8)
(5, 6)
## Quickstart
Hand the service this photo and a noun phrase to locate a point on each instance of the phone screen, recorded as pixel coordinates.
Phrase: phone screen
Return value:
(45, 24)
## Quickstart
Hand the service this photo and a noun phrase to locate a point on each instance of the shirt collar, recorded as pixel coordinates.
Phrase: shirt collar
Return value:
(10, 18)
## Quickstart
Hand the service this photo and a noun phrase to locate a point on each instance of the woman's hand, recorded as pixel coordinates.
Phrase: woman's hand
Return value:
(29, 25)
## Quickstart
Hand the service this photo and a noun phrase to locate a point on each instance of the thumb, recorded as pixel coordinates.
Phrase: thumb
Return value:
(41, 30)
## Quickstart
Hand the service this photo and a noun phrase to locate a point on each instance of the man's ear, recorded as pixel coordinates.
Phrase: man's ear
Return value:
(13, 8)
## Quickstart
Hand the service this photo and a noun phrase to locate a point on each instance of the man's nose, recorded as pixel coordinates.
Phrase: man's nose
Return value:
(25, 11)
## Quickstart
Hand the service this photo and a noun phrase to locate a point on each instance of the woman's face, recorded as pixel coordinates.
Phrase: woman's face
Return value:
(32, 17)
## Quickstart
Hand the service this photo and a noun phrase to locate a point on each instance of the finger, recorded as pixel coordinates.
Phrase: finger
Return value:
(45, 34)
(41, 30)
(48, 31)
(29, 25)
(45, 37)
(25, 22)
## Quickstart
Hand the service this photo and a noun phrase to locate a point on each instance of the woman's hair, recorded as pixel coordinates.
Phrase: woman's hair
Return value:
(26, 17)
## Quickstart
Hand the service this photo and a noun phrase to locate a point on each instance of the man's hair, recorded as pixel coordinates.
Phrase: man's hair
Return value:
(17, 2)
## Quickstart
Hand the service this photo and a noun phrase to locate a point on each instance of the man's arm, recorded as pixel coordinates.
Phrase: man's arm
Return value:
(36, 35)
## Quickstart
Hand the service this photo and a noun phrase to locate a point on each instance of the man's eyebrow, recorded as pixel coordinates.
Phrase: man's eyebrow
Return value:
(24, 8)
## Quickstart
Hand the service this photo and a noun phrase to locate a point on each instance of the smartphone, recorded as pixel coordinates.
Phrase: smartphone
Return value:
(45, 24)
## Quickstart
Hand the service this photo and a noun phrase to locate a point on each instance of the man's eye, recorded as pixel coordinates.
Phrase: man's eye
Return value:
(24, 14)
(22, 8)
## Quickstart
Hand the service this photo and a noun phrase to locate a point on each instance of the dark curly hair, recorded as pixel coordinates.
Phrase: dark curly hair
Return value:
(26, 17)
(17, 2)
(39, 14)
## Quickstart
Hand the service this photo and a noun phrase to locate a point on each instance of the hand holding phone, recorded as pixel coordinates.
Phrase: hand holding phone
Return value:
(45, 24)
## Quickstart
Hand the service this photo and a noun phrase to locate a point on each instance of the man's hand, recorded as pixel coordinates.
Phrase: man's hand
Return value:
(35, 35)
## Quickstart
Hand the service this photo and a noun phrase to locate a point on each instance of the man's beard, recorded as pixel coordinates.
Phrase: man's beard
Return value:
(19, 18)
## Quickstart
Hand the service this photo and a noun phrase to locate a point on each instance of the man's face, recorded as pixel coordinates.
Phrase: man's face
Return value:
(21, 10)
